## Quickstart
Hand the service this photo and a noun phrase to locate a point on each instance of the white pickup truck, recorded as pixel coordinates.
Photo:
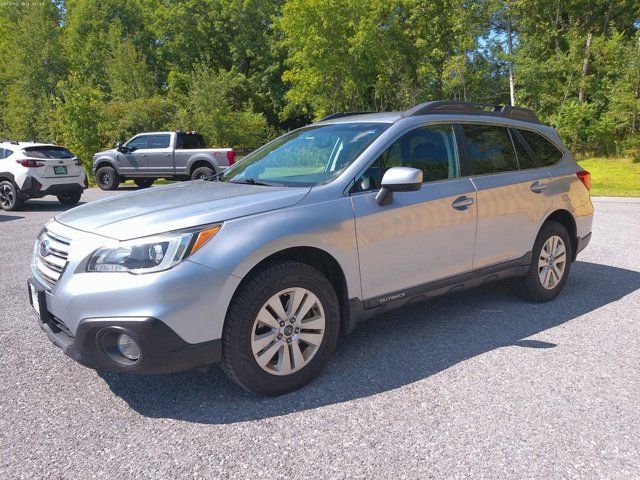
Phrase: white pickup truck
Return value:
(152, 155)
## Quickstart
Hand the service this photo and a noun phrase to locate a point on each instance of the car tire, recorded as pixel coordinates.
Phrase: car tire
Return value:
(550, 265)
(107, 178)
(9, 197)
(70, 198)
(288, 361)
(144, 182)
(202, 172)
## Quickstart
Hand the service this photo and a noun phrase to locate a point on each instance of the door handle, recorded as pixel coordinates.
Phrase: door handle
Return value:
(538, 187)
(166, 154)
(143, 154)
(462, 203)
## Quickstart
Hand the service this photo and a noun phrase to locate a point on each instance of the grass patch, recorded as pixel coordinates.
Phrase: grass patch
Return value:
(613, 177)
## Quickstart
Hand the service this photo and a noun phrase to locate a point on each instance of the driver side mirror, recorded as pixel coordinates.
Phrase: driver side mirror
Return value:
(398, 179)
(120, 147)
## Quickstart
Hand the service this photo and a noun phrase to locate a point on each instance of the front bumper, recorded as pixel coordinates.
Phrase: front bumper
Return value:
(162, 349)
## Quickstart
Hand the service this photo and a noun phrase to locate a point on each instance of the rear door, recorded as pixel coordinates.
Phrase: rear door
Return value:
(135, 160)
(512, 201)
(421, 236)
(160, 155)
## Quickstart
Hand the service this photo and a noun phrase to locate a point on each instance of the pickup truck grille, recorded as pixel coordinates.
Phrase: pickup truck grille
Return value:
(50, 257)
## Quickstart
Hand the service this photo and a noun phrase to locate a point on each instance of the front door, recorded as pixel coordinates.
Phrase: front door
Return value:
(135, 160)
(421, 236)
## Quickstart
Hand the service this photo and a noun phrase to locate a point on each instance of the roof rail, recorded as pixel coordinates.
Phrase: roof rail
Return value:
(468, 108)
(342, 114)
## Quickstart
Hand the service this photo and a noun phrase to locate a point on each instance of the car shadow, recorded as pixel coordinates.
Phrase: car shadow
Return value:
(8, 218)
(47, 206)
(387, 352)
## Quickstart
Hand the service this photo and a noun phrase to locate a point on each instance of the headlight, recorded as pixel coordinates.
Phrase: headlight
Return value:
(150, 254)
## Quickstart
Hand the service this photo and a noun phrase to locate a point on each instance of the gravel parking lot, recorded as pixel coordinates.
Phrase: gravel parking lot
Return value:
(476, 385)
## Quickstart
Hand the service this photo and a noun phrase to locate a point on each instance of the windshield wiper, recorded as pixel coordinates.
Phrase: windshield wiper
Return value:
(253, 181)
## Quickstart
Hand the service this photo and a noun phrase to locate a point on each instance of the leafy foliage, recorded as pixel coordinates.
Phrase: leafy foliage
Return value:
(88, 72)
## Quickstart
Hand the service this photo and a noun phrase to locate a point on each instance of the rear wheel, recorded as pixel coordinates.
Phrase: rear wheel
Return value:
(107, 178)
(281, 328)
(70, 198)
(144, 182)
(202, 172)
(550, 264)
(9, 198)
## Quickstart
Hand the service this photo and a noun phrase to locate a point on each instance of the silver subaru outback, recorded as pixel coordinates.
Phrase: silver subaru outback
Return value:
(260, 268)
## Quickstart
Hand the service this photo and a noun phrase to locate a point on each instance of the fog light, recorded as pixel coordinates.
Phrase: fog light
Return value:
(128, 347)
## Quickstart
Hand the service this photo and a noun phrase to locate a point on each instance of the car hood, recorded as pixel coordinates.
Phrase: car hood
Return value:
(177, 206)
(110, 152)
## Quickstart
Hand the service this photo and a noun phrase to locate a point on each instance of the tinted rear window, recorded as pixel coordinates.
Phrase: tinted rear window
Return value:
(4, 153)
(190, 141)
(525, 159)
(490, 149)
(48, 152)
(546, 152)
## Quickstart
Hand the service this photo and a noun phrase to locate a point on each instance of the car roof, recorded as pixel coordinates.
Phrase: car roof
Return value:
(9, 144)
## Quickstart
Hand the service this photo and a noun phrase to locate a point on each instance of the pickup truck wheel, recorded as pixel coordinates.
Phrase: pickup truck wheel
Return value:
(550, 265)
(69, 198)
(280, 329)
(107, 178)
(144, 182)
(202, 172)
(9, 198)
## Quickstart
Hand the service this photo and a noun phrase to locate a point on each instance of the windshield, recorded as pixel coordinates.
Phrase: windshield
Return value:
(307, 157)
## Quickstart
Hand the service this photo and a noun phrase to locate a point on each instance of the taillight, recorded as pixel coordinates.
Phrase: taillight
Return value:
(30, 163)
(585, 177)
(231, 156)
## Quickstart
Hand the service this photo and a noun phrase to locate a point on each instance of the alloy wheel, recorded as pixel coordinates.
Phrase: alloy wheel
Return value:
(7, 197)
(288, 331)
(552, 262)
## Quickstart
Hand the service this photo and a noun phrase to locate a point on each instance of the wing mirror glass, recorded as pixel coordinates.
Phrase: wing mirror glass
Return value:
(121, 148)
(398, 179)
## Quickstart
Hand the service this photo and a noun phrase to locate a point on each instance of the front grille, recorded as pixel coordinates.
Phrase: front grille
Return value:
(50, 257)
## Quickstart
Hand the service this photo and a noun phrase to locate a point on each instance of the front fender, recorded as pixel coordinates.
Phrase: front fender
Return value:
(244, 242)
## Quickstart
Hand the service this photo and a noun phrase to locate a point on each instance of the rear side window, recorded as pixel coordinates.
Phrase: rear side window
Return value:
(546, 153)
(190, 141)
(490, 149)
(160, 141)
(48, 152)
(525, 158)
(4, 153)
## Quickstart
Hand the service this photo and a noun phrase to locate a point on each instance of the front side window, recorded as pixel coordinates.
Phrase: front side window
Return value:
(490, 149)
(160, 141)
(546, 152)
(139, 142)
(306, 157)
(47, 151)
(431, 149)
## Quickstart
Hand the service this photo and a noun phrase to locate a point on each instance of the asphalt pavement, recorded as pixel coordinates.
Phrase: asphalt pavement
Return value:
(475, 385)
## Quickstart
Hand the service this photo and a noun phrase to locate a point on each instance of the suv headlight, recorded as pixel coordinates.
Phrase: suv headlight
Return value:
(150, 254)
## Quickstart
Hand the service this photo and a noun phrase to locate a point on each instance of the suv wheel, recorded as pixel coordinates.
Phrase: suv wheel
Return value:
(202, 172)
(70, 198)
(280, 329)
(107, 178)
(144, 182)
(550, 264)
(9, 197)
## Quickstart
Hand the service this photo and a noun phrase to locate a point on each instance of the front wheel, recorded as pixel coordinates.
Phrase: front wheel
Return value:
(70, 198)
(281, 328)
(550, 265)
(107, 178)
